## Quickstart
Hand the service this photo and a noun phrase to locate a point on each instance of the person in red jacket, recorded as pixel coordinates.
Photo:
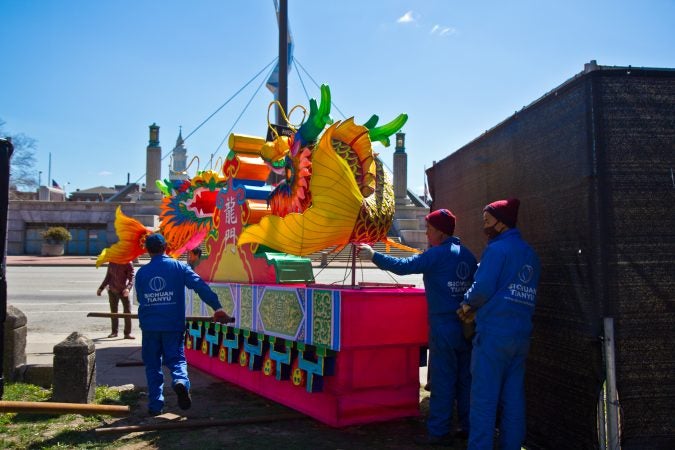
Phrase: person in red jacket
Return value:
(194, 257)
(119, 278)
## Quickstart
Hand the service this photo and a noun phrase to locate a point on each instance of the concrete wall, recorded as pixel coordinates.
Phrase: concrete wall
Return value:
(22, 212)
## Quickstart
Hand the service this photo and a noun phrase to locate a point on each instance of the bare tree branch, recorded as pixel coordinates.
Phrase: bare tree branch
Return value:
(22, 165)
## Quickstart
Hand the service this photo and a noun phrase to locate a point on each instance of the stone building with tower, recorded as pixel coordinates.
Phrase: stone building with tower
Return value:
(153, 166)
(91, 217)
(410, 211)
(178, 164)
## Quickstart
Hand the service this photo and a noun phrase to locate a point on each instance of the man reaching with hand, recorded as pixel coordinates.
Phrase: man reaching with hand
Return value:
(160, 287)
(447, 268)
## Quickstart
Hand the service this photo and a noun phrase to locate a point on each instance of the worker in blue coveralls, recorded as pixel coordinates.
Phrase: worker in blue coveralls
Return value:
(160, 287)
(447, 268)
(502, 298)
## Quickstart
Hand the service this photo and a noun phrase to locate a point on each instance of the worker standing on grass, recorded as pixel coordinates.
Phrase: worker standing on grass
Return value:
(447, 268)
(160, 288)
(502, 298)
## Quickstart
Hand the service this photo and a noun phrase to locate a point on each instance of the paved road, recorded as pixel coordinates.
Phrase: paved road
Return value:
(57, 299)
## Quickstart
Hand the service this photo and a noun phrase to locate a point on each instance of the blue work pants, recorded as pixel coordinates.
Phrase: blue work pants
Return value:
(498, 375)
(450, 356)
(163, 347)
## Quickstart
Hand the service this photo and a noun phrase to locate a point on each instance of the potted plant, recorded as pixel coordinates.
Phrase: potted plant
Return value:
(54, 240)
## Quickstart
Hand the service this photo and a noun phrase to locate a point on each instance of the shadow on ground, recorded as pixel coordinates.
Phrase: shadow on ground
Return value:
(219, 400)
(222, 400)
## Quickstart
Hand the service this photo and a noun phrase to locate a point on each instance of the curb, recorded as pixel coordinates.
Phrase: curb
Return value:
(316, 266)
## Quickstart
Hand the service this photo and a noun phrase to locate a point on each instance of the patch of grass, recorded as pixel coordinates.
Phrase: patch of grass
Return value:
(106, 395)
(22, 392)
(54, 431)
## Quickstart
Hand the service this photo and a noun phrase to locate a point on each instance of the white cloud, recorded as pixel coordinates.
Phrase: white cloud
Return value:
(442, 30)
(406, 18)
(104, 173)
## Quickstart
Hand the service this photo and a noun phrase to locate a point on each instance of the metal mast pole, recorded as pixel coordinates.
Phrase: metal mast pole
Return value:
(282, 93)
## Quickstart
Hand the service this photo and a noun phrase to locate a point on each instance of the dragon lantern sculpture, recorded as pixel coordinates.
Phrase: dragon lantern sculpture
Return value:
(334, 191)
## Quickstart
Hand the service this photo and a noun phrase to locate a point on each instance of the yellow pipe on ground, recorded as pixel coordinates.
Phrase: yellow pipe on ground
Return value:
(63, 408)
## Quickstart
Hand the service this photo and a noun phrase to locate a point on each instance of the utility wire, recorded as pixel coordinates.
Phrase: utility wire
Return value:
(317, 85)
(332, 103)
(249, 103)
(241, 114)
(217, 110)
(233, 96)
(303, 83)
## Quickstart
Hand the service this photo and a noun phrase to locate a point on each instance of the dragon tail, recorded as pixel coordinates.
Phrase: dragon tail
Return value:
(131, 244)
(391, 243)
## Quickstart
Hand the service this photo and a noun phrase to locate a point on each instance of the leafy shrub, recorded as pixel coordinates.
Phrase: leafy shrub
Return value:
(56, 234)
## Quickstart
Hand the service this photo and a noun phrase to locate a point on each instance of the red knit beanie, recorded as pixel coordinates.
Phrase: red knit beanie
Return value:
(506, 211)
(443, 220)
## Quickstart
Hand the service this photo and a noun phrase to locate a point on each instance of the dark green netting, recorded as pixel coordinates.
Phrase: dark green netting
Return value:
(592, 163)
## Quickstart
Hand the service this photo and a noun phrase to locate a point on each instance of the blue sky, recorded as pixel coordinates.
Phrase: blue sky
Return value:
(86, 78)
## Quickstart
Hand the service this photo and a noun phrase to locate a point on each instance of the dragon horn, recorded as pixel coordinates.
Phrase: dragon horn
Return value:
(371, 122)
(382, 133)
(318, 118)
(164, 186)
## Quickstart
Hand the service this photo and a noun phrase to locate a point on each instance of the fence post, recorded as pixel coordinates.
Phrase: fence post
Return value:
(75, 370)
(602, 418)
(14, 343)
(613, 441)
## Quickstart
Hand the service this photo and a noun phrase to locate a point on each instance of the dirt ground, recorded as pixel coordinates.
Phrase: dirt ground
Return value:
(222, 401)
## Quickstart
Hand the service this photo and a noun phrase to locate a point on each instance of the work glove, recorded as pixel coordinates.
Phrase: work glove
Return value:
(220, 316)
(366, 252)
(466, 313)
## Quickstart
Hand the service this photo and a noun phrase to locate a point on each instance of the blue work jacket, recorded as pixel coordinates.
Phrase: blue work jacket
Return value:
(447, 271)
(160, 288)
(504, 291)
